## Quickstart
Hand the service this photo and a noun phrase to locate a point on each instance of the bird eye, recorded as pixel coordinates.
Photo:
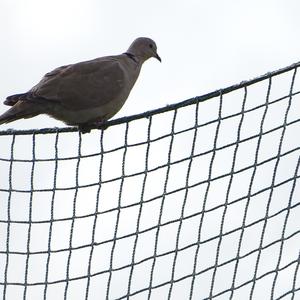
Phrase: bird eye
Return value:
(150, 45)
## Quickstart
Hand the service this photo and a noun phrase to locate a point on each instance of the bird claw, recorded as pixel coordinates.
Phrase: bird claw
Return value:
(86, 128)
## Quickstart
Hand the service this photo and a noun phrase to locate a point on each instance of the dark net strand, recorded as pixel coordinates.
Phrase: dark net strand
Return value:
(197, 200)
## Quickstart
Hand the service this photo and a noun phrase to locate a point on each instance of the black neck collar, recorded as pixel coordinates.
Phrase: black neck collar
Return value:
(131, 56)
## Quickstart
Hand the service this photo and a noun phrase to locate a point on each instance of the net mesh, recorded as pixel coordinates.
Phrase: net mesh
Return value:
(198, 200)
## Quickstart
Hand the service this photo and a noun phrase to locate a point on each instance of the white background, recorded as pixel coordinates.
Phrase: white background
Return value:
(204, 46)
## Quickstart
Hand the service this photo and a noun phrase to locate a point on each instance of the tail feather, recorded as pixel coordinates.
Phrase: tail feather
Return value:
(13, 99)
(5, 118)
(8, 119)
(21, 110)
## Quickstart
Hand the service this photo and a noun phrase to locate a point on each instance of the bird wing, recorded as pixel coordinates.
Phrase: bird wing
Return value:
(83, 85)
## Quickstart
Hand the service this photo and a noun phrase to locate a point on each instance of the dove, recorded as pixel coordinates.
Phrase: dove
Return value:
(84, 94)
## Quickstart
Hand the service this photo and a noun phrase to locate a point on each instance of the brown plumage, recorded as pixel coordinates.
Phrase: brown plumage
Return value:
(84, 93)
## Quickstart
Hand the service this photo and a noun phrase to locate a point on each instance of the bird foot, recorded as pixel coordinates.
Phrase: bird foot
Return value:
(86, 128)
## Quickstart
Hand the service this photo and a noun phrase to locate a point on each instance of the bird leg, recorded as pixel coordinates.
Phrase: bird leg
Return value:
(87, 127)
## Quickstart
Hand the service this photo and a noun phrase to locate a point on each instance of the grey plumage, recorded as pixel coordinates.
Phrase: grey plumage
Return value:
(84, 93)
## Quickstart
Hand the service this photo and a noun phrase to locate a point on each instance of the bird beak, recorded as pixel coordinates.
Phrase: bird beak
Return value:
(157, 57)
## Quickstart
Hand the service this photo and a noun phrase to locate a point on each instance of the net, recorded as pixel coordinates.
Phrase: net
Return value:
(197, 200)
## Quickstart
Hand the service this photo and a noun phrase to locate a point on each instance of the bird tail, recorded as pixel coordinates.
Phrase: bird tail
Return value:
(21, 110)
(13, 99)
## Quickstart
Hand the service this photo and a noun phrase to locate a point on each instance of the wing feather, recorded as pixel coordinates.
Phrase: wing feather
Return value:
(83, 85)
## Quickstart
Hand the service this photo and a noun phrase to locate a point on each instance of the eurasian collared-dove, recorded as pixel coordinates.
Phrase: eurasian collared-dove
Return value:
(85, 93)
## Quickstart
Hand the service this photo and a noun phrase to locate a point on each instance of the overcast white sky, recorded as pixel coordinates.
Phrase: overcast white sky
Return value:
(205, 45)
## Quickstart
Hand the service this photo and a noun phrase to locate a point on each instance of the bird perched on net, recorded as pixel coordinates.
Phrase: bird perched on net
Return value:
(84, 94)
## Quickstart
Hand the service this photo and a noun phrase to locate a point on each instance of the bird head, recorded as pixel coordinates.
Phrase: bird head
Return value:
(143, 48)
